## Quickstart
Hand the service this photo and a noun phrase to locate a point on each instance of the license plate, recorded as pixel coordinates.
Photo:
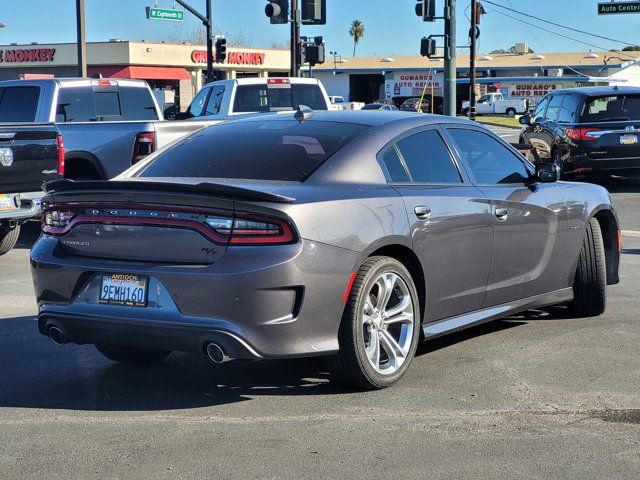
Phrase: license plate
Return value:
(7, 202)
(124, 289)
(628, 139)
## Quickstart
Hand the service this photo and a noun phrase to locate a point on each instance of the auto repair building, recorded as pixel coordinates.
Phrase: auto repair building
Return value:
(176, 69)
(528, 75)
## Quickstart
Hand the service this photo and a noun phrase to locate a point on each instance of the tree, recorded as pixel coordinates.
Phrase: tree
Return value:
(511, 49)
(198, 36)
(357, 32)
(631, 48)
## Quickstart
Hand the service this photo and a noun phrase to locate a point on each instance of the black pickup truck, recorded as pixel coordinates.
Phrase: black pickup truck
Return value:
(30, 154)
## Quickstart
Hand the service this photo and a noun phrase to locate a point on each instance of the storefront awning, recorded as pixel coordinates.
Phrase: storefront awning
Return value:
(143, 73)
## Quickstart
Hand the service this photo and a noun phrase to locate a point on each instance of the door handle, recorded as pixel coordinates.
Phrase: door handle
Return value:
(422, 212)
(501, 214)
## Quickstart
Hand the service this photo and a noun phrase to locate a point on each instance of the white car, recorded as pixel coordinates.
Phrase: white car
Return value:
(337, 102)
(494, 103)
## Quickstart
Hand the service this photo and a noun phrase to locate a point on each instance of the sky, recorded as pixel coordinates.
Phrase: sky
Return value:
(391, 26)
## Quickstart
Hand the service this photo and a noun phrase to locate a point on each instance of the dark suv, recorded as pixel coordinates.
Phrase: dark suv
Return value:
(587, 130)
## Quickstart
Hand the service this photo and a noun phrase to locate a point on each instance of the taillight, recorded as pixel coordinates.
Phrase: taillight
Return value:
(220, 228)
(582, 134)
(144, 145)
(60, 147)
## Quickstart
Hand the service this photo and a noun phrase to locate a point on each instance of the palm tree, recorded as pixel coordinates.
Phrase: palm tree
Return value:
(357, 32)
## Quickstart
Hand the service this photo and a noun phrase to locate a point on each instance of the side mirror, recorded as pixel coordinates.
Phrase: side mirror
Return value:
(547, 172)
(525, 119)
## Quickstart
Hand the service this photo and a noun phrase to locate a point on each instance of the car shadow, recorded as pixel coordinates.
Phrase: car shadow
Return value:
(29, 233)
(615, 184)
(631, 251)
(38, 374)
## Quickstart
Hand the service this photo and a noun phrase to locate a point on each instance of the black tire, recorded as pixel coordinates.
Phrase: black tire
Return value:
(8, 238)
(350, 365)
(511, 112)
(132, 355)
(465, 112)
(590, 282)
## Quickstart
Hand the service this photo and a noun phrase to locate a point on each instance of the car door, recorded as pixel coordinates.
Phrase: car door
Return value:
(451, 226)
(543, 134)
(529, 218)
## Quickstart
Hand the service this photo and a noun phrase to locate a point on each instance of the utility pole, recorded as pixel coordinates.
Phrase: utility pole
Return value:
(472, 60)
(295, 38)
(449, 89)
(208, 23)
(82, 40)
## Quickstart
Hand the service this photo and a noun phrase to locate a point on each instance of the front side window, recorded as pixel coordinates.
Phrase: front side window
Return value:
(553, 109)
(197, 105)
(284, 150)
(490, 161)
(428, 159)
(18, 104)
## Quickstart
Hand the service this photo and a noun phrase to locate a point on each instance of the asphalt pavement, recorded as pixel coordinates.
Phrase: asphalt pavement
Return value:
(539, 395)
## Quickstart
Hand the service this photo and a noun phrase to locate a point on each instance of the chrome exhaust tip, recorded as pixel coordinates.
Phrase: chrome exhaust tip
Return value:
(56, 335)
(216, 353)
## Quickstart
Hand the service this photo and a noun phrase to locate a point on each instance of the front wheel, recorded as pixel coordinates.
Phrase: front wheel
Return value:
(132, 355)
(8, 238)
(380, 326)
(590, 281)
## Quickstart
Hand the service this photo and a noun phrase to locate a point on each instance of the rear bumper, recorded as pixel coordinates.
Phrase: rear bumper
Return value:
(29, 207)
(256, 302)
(627, 165)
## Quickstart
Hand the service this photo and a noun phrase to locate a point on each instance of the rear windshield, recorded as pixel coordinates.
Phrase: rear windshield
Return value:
(278, 97)
(267, 150)
(88, 104)
(611, 108)
(18, 104)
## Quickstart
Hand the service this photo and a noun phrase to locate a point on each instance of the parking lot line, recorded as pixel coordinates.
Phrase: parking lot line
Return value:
(631, 233)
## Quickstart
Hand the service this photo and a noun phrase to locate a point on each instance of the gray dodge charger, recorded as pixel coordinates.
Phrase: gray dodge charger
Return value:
(350, 235)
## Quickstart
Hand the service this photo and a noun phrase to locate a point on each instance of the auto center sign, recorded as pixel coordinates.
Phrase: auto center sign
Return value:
(233, 57)
(410, 84)
(27, 55)
(531, 90)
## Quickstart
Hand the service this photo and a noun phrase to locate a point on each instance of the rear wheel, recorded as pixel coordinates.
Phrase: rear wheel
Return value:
(380, 327)
(511, 112)
(590, 281)
(8, 238)
(132, 355)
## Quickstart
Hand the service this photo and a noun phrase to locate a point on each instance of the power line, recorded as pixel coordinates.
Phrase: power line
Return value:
(558, 24)
(599, 47)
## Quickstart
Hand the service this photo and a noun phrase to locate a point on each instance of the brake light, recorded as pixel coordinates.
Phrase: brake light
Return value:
(219, 227)
(144, 145)
(60, 148)
(278, 81)
(104, 83)
(582, 134)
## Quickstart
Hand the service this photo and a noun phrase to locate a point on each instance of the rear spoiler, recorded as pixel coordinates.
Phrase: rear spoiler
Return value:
(217, 189)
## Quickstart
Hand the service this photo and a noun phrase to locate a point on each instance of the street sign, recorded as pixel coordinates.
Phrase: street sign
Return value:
(165, 14)
(611, 8)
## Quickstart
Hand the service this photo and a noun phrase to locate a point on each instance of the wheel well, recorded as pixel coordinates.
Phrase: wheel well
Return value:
(75, 168)
(609, 228)
(411, 262)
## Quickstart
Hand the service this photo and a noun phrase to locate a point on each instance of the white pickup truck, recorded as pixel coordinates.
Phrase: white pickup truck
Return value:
(494, 103)
(227, 99)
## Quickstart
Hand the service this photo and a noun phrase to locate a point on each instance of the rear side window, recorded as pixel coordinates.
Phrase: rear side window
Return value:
(428, 159)
(491, 162)
(611, 108)
(396, 170)
(569, 109)
(263, 98)
(538, 114)
(136, 103)
(18, 104)
(258, 150)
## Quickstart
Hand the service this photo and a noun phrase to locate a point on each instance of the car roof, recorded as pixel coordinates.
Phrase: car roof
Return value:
(363, 117)
(598, 91)
(73, 82)
(264, 80)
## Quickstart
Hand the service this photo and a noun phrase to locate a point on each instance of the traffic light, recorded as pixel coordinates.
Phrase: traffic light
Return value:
(313, 12)
(313, 54)
(277, 11)
(428, 47)
(221, 49)
(427, 10)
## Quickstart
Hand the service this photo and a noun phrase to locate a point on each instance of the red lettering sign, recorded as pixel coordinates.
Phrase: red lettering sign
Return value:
(233, 58)
(20, 55)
